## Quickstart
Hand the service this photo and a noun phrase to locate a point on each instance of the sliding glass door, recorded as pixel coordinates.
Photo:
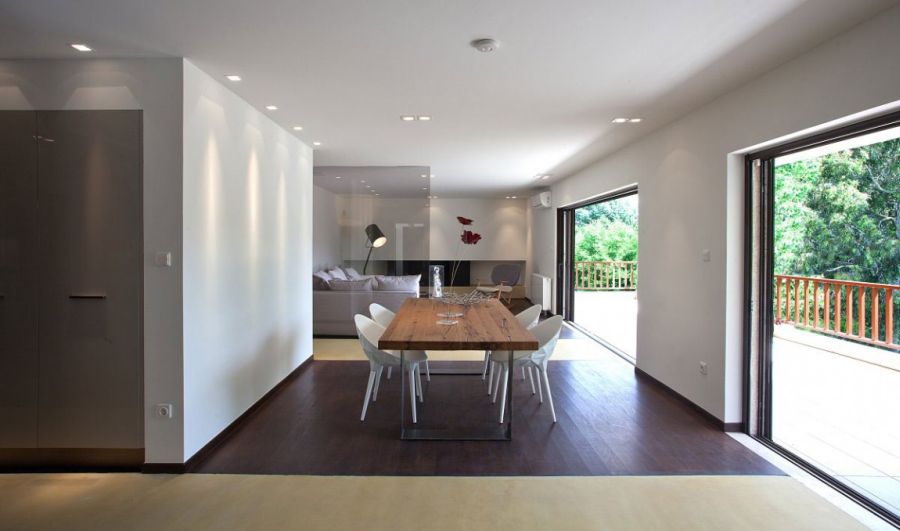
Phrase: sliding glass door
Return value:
(829, 270)
(599, 262)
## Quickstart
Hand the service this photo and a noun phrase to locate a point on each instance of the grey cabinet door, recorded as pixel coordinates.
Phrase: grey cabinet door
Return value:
(90, 389)
(18, 280)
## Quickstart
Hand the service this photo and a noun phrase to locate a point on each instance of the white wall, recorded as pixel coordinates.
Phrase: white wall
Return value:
(247, 256)
(403, 219)
(326, 229)
(154, 86)
(690, 189)
(501, 222)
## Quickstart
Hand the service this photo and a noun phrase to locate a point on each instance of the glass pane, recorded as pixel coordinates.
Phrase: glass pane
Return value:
(605, 271)
(835, 350)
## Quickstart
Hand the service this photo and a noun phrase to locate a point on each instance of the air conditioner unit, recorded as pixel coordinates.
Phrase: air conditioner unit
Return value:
(541, 200)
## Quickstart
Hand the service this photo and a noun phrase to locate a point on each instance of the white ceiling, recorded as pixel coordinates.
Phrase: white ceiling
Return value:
(378, 181)
(347, 70)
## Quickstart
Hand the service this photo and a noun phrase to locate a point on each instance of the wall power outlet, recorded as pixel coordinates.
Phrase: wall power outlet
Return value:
(704, 370)
(164, 411)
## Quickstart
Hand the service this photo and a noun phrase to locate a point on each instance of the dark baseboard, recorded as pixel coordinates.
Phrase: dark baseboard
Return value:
(71, 459)
(203, 453)
(712, 419)
(164, 468)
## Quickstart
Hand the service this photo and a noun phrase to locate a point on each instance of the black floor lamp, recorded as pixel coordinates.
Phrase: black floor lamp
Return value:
(374, 238)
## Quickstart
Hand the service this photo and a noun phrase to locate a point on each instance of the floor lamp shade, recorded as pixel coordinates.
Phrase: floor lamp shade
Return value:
(375, 238)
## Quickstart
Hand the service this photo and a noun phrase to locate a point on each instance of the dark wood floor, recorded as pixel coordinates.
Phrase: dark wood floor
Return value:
(610, 422)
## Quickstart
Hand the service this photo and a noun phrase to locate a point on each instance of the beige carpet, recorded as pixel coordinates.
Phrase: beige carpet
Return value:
(200, 502)
(350, 350)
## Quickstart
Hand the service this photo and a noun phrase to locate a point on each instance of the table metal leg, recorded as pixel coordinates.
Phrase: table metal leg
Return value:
(402, 399)
(509, 404)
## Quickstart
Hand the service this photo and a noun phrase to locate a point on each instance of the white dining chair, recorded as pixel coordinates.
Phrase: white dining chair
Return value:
(383, 316)
(547, 334)
(527, 318)
(369, 332)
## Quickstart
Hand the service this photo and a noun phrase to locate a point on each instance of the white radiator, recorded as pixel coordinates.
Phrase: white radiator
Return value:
(540, 291)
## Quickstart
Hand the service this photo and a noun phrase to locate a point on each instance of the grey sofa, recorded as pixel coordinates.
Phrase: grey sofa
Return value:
(333, 311)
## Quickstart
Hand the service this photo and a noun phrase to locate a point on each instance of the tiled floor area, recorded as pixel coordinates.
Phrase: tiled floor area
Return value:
(839, 411)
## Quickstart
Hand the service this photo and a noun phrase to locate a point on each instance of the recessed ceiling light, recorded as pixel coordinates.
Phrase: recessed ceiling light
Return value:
(298, 128)
(337, 176)
(233, 77)
(512, 197)
(317, 143)
(423, 175)
(485, 45)
(424, 188)
(407, 118)
(362, 180)
(272, 107)
(377, 194)
(635, 120)
(432, 176)
(81, 47)
(544, 177)
(619, 120)
(507, 197)
(424, 118)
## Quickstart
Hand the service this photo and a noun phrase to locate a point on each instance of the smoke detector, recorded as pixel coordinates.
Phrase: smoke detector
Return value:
(485, 45)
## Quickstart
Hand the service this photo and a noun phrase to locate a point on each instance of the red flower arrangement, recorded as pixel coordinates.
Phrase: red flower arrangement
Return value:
(467, 237)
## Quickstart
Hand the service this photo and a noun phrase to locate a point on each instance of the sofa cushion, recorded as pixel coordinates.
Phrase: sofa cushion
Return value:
(337, 273)
(320, 280)
(366, 284)
(408, 283)
(351, 273)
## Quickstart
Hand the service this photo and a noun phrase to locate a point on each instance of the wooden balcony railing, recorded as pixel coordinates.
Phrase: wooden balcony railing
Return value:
(858, 311)
(606, 276)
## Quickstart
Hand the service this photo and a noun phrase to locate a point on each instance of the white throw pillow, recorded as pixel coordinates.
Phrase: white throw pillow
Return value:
(337, 274)
(351, 285)
(408, 283)
(352, 274)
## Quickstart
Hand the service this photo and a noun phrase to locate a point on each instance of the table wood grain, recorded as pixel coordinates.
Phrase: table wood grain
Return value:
(486, 326)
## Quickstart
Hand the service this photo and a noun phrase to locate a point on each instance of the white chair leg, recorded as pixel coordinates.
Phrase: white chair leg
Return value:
(537, 374)
(500, 370)
(503, 384)
(362, 417)
(419, 383)
(531, 378)
(377, 381)
(523, 373)
(549, 396)
(389, 372)
(491, 379)
(412, 392)
(487, 360)
(427, 371)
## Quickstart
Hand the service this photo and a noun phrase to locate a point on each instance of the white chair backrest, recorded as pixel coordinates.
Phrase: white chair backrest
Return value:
(530, 316)
(369, 332)
(547, 333)
(381, 315)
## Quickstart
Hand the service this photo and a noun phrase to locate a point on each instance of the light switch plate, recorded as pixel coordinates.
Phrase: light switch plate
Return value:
(163, 259)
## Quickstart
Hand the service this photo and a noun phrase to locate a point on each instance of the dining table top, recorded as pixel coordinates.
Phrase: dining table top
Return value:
(487, 325)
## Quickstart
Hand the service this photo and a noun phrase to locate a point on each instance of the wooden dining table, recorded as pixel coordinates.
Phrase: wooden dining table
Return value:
(487, 325)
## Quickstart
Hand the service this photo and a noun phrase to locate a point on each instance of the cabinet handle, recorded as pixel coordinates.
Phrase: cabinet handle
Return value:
(88, 296)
